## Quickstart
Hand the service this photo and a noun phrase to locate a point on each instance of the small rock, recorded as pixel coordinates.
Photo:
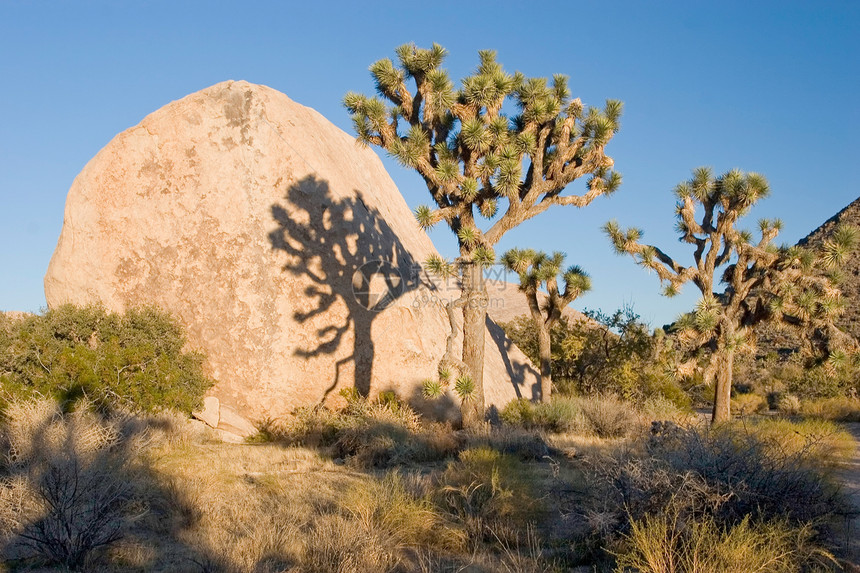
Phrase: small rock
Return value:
(229, 437)
(232, 422)
(211, 412)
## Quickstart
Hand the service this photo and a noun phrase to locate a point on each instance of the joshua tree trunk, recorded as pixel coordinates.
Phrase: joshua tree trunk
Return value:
(723, 386)
(545, 351)
(474, 327)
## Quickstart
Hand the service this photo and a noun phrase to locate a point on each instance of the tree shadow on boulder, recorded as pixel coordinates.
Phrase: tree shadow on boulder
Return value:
(349, 255)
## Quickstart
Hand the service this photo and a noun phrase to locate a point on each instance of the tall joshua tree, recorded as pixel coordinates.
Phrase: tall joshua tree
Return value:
(478, 162)
(762, 282)
(538, 270)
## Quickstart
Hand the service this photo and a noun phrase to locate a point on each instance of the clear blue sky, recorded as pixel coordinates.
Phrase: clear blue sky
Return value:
(764, 86)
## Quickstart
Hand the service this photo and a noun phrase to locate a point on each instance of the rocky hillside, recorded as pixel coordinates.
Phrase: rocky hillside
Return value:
(850, 286)
(785, 342)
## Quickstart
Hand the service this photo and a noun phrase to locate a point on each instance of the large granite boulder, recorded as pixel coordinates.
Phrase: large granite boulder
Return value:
(284, 248)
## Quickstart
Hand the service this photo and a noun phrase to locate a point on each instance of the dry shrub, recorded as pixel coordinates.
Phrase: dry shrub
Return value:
(814, 442)
(368, 434)
(609, 417)
(788, 404)
(761, 476)
(65, 487)
(659, 408)
(510, 440)
(732, 498)
(559, 415)
(726, 474)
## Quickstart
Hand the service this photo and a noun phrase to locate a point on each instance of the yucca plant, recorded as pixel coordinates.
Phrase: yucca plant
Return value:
(538, 270)
(478, 162)
(763, 282)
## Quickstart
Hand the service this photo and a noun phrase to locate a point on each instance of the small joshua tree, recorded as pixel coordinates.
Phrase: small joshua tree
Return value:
(478, 162)
(538, 270)
(763, 283)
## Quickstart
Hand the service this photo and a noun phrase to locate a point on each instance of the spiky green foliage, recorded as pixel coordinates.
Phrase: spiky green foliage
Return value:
(425, 217)
(439, 266)
(464, 386)
(432, 388)
(494, 151)
(763, 282)
(484, 256)
(537, 271)
(472, 154)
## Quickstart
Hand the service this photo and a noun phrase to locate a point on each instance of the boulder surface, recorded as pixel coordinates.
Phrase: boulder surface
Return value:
(283, 247)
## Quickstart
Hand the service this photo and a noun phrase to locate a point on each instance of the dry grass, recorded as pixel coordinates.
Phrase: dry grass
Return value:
(663, 543)
(190, 503)
(605, 416)
(748, 404)
(838, 409)
(65, 492)
(821, 443)
(575, 445)
(367, 434)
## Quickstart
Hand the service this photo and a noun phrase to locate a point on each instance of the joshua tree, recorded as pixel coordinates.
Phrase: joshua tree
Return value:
(478, 162)
(762, 282)
(536, 270)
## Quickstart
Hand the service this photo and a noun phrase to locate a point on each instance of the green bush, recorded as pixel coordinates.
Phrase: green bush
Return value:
(133, 360)
(608, 354)
(800, 375)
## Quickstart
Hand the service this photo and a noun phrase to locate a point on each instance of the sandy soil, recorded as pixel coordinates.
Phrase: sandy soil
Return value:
(851, 478)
